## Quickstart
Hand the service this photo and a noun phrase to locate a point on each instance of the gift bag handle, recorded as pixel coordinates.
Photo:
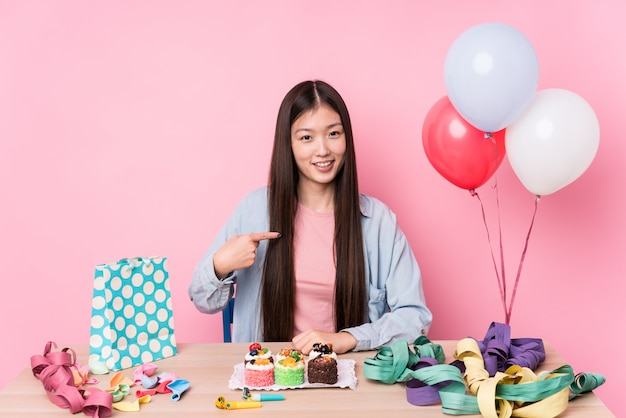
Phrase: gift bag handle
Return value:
(134, 260)
(132, 263)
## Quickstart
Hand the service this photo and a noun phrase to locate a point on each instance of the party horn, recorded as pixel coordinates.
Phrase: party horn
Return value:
(222, 403)
(262, 397)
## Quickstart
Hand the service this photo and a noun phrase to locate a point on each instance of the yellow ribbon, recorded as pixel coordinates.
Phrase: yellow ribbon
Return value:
(486, 388)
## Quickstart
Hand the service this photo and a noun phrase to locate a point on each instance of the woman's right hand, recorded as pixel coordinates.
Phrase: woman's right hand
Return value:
(239, 252)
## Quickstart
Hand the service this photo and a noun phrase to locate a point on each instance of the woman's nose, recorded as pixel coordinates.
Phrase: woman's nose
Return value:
(322, 147)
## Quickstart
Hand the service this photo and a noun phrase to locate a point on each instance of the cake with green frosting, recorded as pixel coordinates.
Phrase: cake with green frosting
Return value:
(289, 368)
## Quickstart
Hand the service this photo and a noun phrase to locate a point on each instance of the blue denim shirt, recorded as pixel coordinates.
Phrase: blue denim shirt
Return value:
(396, 303)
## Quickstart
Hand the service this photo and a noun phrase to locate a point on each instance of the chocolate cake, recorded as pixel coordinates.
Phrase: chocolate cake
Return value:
(322, 364)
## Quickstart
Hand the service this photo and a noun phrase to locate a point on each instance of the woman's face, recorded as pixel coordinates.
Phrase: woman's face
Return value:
(318, 143)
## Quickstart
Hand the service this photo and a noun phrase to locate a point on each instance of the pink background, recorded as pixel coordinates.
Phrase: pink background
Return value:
(133, 128)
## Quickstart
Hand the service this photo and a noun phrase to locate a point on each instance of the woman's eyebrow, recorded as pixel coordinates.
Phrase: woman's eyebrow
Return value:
(332, 125)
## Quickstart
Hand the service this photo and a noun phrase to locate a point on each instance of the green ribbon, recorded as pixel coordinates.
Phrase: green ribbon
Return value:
(393, 364)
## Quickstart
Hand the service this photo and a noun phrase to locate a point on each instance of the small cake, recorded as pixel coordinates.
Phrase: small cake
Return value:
(258, 367)
(322, 364)
(256, 351)
(289, 368)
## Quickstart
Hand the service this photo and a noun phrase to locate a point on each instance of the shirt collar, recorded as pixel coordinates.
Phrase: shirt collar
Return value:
(365, 206)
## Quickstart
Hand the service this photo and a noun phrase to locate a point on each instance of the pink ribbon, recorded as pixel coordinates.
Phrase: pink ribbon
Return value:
(54, 370)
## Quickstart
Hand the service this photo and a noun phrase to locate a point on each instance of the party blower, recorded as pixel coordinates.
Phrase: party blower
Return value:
(246, 394)
(222, 403)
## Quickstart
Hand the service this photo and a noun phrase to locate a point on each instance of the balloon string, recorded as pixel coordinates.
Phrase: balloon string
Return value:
(474, 193)
(502, 269)
(521, 262)
(489, 136)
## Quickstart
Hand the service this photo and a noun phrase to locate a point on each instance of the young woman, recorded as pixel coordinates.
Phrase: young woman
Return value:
(335, 266)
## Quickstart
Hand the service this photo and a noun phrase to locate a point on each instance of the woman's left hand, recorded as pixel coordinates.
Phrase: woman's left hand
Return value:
(342, 341)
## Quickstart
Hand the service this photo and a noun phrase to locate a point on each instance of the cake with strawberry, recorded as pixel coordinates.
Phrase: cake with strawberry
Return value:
(322, 364)
(258, 367)
(289, 368)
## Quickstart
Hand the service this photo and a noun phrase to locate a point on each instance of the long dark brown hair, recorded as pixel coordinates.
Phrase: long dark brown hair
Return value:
(278, 283)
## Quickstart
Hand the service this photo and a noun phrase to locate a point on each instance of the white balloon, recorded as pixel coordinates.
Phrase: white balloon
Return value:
(553, 142)
(491, 73)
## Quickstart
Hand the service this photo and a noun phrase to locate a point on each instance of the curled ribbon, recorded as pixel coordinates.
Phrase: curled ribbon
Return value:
(496, 372)
(499, 351)
(56, 371)
(517, 388)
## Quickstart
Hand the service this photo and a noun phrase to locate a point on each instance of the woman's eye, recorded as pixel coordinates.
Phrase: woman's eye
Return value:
(335, 133)
(306, 138)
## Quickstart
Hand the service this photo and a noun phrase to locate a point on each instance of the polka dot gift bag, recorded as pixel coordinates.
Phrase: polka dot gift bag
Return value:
(131, 320)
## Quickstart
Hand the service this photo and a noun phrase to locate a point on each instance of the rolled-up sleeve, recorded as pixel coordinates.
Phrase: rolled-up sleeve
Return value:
(208, 293)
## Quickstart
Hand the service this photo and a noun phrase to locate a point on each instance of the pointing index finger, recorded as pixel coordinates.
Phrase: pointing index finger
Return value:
(260, 236)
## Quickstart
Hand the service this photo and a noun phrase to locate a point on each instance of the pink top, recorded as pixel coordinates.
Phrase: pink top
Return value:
(314, 264)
